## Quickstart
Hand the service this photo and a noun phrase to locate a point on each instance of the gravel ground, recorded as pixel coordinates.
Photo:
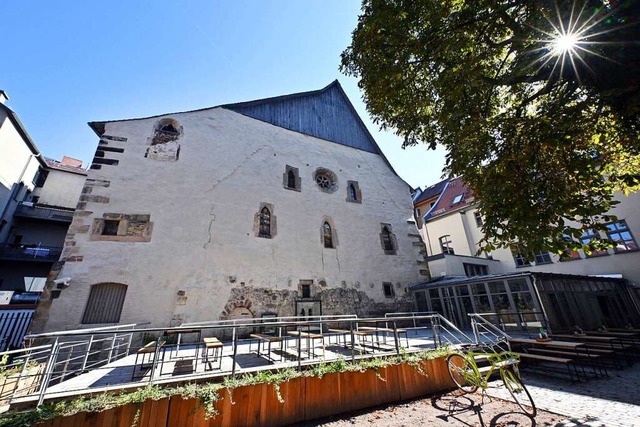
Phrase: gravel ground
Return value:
(448, 409)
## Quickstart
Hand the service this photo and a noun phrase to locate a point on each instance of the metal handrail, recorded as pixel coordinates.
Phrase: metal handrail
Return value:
(70, 358)
(478, 321)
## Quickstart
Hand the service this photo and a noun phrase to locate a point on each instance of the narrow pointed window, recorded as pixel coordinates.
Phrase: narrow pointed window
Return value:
(387, 241)
(265, 223)
(353, 195)
(291, 179)
(327, 237)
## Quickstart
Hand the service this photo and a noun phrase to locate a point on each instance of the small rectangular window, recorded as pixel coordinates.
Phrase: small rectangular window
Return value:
(475, 269)
(521, 260)
(306, 291)
(619, 232)
(543, 258)
(478, 218)
(587, 236)
(110, 227)
(388, 290)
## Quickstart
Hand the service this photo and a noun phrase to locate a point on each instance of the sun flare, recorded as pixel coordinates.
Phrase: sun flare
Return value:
(564, 43)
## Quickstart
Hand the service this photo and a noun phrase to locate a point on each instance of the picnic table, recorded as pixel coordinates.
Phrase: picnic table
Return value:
(570, 354)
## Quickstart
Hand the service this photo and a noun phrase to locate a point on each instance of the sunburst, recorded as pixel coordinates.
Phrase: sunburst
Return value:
(571, 39)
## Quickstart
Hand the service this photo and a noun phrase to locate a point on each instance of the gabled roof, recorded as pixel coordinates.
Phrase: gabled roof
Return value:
(431, 192)
(457, 195)
(326, 113)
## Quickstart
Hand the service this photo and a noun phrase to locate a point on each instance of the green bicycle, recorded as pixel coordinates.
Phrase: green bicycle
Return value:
(465, 373)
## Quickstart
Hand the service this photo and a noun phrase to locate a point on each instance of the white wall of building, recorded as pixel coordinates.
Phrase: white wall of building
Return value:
(61, 189)
(627, 264)
(202, 207)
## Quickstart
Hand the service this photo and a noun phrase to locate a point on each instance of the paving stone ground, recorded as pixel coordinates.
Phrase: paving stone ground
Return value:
(613, 401)
(610, 402)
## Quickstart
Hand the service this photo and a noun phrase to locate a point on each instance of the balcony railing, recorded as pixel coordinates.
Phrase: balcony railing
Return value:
(28, 252)
(44, 212)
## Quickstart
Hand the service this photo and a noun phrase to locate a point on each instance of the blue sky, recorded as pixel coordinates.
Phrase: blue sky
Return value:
(68, 63)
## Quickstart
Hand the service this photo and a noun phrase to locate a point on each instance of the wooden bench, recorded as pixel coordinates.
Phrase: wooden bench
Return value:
(263, 339)
(212, 343)
(569, 363)
(592, 360)
(149, 349)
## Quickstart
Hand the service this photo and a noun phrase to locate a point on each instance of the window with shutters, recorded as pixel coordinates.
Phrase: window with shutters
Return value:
(105, 303)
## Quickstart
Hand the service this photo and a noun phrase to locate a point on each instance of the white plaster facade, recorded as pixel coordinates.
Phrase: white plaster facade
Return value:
(202, 208)
(465, 235)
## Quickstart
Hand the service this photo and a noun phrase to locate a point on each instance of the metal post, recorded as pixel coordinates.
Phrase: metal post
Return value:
(48, 371)
(299, 349)
(353, 343)
(235, 349)
(474, 327)
(395, 337)
(113, 342)
(129, 343)
(86, 356)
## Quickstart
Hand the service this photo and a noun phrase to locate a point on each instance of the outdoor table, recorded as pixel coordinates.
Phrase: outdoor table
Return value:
(552, 343)
(613, 334)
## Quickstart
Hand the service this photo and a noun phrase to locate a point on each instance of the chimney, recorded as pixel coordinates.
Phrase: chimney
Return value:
(70, 161)
(3, 96)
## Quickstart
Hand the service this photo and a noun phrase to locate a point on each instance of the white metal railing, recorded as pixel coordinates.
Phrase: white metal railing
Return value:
(111, 353)
(483, 330)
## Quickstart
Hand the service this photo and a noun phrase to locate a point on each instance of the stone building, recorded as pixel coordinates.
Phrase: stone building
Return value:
(280, 206)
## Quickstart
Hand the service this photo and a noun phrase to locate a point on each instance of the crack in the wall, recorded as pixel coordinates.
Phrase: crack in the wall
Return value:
(338, 260)
(376, 176)
(213, 218)
(246, 159)
(322, 256)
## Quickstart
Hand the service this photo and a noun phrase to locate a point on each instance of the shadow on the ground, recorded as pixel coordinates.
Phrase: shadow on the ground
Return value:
(455, 405)
(251, 361)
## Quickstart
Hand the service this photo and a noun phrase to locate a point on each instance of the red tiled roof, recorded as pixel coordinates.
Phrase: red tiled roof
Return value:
(457, 195)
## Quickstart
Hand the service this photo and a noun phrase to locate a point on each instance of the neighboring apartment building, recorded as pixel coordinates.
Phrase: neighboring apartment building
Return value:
(451, 230)
(283, 205)
(37, 199)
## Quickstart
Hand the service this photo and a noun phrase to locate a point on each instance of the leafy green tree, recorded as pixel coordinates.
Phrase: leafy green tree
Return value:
(536, 102)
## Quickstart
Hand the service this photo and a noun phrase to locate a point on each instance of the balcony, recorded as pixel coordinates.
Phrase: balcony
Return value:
(40, 212)
(28, 252)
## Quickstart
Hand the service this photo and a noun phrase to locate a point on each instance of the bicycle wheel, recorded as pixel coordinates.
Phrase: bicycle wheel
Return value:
(518, 391)
(463, 372)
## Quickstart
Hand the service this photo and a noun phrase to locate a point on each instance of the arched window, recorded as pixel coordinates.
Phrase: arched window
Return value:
(291, 179)
(353, 194)
(265, 223)
(326, 235)
(105, 303)
(387, 240)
